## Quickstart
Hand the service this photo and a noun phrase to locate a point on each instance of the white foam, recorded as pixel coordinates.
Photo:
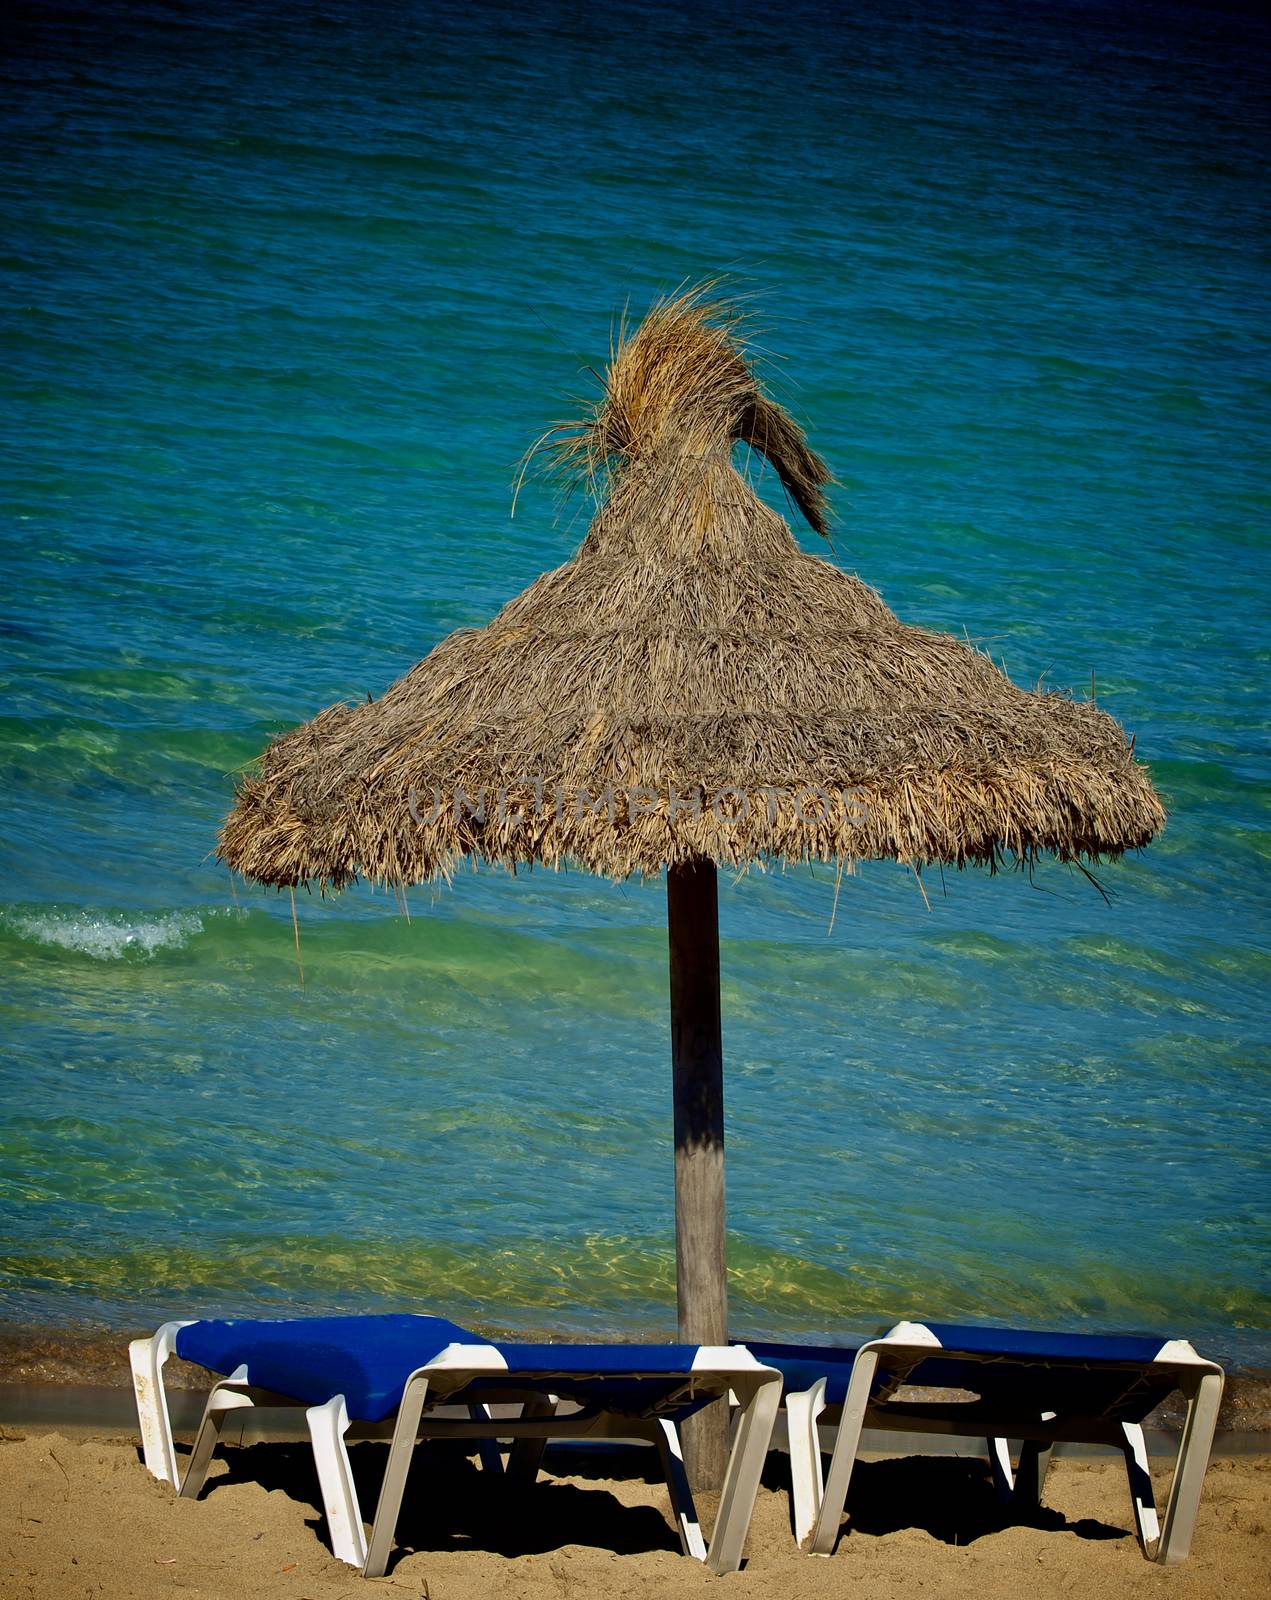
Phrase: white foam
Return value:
(107, 935)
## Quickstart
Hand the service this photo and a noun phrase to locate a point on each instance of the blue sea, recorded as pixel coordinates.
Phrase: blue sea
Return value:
(285, 292)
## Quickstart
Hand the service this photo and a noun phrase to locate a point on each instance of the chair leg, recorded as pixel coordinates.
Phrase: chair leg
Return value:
(1000, 1467)
(844, 1458)
(670, 1454)
(1189, 1474)
(1142, 1499)
(327, 1426)
(225, 1399)
(745, 1467)
(526, 1454)
(1030, 1474)
(405, 1434)
(146, 1358)
(487, 1448)
(152, 1410)
(807, 1482)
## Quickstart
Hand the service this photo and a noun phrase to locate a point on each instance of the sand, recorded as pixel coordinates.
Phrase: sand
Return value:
(80, 1517)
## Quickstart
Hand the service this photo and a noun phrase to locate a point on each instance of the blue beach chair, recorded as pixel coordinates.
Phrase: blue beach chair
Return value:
(418, 1376)
(1039, 1388)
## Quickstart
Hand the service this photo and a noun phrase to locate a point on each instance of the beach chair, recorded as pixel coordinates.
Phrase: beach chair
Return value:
(422, 1377)
(1038, 1388)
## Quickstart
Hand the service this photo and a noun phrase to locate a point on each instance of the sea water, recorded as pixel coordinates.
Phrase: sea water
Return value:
(287, 290)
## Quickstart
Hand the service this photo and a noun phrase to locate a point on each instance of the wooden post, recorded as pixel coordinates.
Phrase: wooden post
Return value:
(697, 1060)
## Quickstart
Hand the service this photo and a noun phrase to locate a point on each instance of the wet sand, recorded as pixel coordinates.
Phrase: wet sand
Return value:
(39, 1364)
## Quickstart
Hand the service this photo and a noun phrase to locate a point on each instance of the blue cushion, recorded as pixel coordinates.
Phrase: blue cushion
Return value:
(1015, 1372)
(802, 1365)
(1018, 1374)
(366, 1359)
(578, 1372)
(1023, 1344)
(557, 1360)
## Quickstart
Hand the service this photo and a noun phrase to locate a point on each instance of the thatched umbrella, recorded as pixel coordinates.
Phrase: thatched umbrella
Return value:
(690, 691)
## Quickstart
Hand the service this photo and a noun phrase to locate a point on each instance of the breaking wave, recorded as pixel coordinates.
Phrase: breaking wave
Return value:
(104, 935)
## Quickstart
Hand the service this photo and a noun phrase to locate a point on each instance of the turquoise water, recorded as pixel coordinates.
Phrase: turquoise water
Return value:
(286, 293)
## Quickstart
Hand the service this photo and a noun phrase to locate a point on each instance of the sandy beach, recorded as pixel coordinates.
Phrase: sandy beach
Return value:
(583, 587)
(80, 1516)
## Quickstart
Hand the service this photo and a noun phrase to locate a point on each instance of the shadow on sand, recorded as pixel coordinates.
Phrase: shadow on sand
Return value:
(948, 1497)
(450, 1504)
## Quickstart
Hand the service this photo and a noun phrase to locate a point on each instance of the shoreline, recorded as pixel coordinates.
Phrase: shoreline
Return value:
(79, 1378)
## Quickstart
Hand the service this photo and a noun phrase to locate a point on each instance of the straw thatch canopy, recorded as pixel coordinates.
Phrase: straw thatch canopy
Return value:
(691, 685)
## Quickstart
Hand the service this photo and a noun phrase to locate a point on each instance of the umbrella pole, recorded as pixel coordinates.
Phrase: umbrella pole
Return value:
(697, 1061)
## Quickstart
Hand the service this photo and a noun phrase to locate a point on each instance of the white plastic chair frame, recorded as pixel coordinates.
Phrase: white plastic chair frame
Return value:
(818, 1506)
(724, 1371)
